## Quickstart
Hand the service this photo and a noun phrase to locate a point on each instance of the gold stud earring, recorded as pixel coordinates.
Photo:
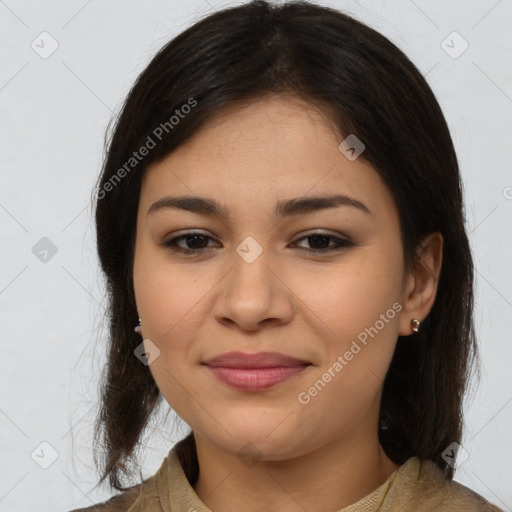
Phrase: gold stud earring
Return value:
(138, 328)
(415, 324)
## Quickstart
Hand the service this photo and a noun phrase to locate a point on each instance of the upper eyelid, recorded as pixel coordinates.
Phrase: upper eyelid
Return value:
(315, 231)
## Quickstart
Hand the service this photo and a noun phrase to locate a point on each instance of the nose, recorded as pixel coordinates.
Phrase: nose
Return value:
(251, 296)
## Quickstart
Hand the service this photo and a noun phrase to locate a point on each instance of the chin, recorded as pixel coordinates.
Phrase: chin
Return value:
(262, 441)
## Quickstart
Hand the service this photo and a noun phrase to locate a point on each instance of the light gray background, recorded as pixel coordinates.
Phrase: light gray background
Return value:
(54, 113)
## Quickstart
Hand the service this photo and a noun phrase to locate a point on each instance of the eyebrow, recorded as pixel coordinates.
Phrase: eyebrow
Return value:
(296, 206)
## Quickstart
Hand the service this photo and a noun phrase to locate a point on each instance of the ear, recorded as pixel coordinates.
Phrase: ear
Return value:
(420, 284)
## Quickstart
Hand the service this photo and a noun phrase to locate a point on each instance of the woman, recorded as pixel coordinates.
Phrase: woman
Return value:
(281, 212)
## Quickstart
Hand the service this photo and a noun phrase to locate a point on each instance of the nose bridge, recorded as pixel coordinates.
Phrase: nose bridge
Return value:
(249, 284)
(251, 293)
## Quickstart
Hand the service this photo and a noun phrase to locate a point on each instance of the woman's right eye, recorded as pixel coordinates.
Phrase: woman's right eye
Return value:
(189, 242)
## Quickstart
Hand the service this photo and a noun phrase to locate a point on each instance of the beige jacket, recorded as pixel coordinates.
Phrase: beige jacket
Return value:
(417, 486)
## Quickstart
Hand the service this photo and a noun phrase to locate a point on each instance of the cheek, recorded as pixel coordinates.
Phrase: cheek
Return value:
(172, 303)
(356, 314)
(170, 297)
(350, 296)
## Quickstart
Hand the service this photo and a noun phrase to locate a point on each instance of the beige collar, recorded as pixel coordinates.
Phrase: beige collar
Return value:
(177, 495)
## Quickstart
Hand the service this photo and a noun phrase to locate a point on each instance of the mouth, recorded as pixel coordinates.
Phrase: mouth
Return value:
(255, 372)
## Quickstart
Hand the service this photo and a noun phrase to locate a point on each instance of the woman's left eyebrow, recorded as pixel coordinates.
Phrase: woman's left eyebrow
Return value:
(296, 206)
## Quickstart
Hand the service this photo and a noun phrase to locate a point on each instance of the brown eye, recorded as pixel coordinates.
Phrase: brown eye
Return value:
(189, 242)
(322, 242)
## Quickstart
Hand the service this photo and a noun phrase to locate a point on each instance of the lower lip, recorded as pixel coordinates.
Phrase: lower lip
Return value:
(255, 379)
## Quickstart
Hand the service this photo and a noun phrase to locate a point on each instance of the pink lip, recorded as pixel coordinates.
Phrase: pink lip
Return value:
(253, 372)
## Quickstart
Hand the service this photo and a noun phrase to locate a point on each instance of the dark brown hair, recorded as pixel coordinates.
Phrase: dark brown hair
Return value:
(367, 87)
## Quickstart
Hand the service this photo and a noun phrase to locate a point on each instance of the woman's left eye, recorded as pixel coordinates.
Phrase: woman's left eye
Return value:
(197, 241)
(324, 238)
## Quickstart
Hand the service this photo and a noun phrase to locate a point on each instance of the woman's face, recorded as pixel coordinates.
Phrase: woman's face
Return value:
(249, 281)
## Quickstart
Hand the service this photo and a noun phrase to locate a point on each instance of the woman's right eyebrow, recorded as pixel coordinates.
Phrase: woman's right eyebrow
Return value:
(286, 208)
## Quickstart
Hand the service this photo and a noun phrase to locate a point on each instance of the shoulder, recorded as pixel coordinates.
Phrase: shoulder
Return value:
(140, 497)
(152, 494)
(423, 484)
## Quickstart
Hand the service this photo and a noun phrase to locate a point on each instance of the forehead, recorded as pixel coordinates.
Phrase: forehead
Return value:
(271, 148)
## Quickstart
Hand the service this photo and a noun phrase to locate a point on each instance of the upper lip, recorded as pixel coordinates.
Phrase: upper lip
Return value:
(255, 360)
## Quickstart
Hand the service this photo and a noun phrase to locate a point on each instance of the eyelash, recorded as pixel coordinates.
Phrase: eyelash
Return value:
(341, 243)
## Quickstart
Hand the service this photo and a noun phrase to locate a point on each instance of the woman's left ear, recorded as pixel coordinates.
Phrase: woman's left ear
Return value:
(420, 288)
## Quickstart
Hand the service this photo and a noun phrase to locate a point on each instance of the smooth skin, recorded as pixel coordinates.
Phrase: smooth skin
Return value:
(324, 455)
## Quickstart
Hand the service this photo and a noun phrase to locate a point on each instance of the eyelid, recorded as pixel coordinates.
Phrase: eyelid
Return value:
(322, 232)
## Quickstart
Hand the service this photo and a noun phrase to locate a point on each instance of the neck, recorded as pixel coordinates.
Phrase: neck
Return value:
(340, 472)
